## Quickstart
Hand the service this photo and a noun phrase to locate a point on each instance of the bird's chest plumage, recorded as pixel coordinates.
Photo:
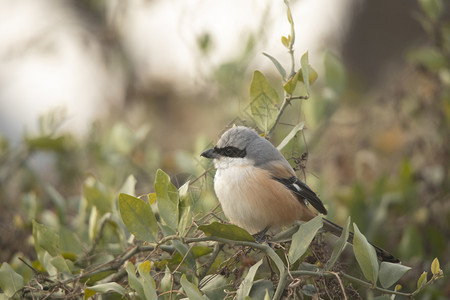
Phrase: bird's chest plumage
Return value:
(250, 198)
(232, 186)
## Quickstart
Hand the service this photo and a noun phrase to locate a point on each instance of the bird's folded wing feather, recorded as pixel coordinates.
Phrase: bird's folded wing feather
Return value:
(282, 172)
(303, 192)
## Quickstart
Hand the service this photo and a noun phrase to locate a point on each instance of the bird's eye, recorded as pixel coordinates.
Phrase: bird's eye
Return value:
(229, 151)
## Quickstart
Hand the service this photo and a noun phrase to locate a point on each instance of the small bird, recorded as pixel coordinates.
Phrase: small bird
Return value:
(259, 190)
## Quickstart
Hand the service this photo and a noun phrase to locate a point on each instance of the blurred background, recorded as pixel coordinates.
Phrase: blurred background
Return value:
(105, 89)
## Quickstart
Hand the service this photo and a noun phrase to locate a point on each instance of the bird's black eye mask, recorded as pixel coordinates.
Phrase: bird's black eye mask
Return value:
(230, 151)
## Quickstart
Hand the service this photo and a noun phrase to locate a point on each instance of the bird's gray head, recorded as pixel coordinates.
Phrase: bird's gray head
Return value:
(243, 142)
(237, 137)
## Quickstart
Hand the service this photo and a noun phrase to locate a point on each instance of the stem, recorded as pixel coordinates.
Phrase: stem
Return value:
(285, 103)
(370, 286)
(291, 54)
(291, 44)
(217, 248)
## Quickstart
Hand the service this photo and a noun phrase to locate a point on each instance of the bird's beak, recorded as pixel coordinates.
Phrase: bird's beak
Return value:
(210, 153)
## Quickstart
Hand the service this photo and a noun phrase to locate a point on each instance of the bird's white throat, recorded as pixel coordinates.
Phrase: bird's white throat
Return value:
(224, 162)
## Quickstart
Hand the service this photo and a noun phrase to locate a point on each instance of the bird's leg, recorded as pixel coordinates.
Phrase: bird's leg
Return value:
(261, 236)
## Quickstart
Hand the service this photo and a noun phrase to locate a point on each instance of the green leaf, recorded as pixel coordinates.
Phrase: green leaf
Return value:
(148, 283)
(261, 289)
(432, 8)
(227, 231)
(184, 209)
(138, 217)
(92, 225)
(312, 75)
(121, 139)
(200, 251)
(96, 277)
(166, 281)
(289, 15)
(129, 185)
(291, 22)
(59, 201)
(60, 264)
(335, 74)
(429, 57)
(391, 273)
(10, 281)
(247, 283)
(304, 266)
(134, 281)
(339, 246)
(45, 238)
(151, 198)
(277, 65)
(285, 41)
(435, 267)
(304, 62)
(97, 195)
(104, 288)
(291, 135)
(89, 293)
(214, 285)
(166, 230)
(291, 84)
(144, 268)
(263, 102)
(69, 242)
(365, 255)
(303, 238)
(167, 199)
(45, 259)
(422, 280)
(191, 290)
(47, 143)
(309, 290)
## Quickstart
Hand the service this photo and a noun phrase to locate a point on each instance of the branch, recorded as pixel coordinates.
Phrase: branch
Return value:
(351, 278)
(262, 247)
(112, 265)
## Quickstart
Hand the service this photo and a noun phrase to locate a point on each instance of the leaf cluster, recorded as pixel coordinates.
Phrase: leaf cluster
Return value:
(170, 253)
(169, 244)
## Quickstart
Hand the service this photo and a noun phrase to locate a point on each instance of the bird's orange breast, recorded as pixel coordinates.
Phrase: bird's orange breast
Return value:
(251, 199)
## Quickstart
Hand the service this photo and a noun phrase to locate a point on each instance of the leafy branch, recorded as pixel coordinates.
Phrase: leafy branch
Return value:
(164, 245)
(263, 97)
(220, 234)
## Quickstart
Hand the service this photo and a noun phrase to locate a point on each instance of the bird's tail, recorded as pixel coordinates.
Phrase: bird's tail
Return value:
(335, 229)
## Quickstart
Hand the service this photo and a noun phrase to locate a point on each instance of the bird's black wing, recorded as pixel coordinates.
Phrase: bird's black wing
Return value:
(303, 192)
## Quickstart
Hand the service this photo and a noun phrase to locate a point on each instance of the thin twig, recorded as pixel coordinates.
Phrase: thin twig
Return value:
(351, 278)
(340, 283)
(263, 247)
(29, 266)
(211, 260)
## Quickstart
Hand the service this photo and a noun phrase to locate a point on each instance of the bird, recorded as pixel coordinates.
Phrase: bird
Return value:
(259, 190)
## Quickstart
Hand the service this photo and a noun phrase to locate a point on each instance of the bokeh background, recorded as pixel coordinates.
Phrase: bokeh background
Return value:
(106, 89)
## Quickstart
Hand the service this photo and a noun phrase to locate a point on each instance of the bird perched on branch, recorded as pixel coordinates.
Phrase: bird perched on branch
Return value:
(259, 190)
